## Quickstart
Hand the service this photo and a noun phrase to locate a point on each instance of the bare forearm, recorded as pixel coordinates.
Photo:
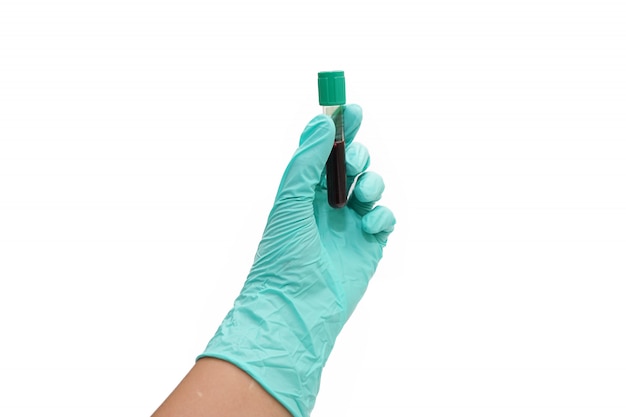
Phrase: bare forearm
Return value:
(215, 388)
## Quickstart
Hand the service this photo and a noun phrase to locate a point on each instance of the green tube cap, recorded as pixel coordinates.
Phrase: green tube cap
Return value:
(331, 88)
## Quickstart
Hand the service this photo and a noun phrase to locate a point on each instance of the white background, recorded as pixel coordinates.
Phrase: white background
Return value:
(141, 144)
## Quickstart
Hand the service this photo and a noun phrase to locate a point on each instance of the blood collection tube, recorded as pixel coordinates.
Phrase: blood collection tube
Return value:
(332, 98)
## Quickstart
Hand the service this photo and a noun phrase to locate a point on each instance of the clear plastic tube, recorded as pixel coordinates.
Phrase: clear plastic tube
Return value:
(336, 164)
(332, 98)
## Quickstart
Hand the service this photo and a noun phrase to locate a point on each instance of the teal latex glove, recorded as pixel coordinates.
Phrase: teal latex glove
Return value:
(311, 269)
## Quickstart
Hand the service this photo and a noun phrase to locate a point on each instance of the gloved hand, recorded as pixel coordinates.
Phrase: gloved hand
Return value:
(311, 269)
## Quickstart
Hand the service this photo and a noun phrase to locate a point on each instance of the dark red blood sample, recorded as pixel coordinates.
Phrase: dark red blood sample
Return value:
(336, 176)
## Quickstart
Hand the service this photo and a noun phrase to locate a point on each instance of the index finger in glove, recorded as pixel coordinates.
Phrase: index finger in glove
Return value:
(352, 117)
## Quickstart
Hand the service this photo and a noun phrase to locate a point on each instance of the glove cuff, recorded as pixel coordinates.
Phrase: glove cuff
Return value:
(267, 337)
